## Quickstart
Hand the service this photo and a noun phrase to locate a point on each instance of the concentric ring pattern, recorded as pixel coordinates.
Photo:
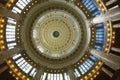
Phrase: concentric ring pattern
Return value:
(56, 33)
(54, 36)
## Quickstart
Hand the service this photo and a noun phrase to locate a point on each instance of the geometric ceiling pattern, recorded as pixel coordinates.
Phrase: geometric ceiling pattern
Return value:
(55, 38)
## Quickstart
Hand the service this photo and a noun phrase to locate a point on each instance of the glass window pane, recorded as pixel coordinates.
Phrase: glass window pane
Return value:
(19, 5)
(19, 60)
(87, 67)
(11, 21)
(16, 9)
(16, 56)
(44, 76)
(25, 2)
(28, 0)
(32, 72)
(21, 2)
(28, 68)
(22, 67)
(11, 45)
(61, 77)
(77, 73)
(93, 58)
(92, 63)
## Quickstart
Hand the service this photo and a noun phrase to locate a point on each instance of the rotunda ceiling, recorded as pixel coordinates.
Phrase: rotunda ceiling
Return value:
(55, 32)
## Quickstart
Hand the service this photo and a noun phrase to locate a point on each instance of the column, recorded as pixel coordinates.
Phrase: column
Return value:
(110, 60)
(71, 73)
(39, 73)
(113, 14)
(110, 2)
(4, 68)
(7, 54)
(107, 72)
(116, 75)
(8, 13)
(115, 52)
(116, 26)
(115, 49)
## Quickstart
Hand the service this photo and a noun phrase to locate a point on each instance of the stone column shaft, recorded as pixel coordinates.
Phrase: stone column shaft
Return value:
(116, 49)
(107, 72)
(113, 15)
(116, 26)
(111, 60)
(110, 2)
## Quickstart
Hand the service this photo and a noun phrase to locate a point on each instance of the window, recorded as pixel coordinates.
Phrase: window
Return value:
(10, 20)
(98, 47)
(93, 58)
(20, 5)
(96, 13)
(16, 56)
(91, 62)
(66, 76)
(91, 6)
(99, 36)
(33, 72)
(84, 69)
(19, 60)
(28, 1)
(88, 64)
(77, 73)
(23, 4)
(10, 30)
(11, 45)
(25, 66)
(52, 76)
(16, 10)
(81, 70)
(22, 66)
(43, 76)
(21, 63)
